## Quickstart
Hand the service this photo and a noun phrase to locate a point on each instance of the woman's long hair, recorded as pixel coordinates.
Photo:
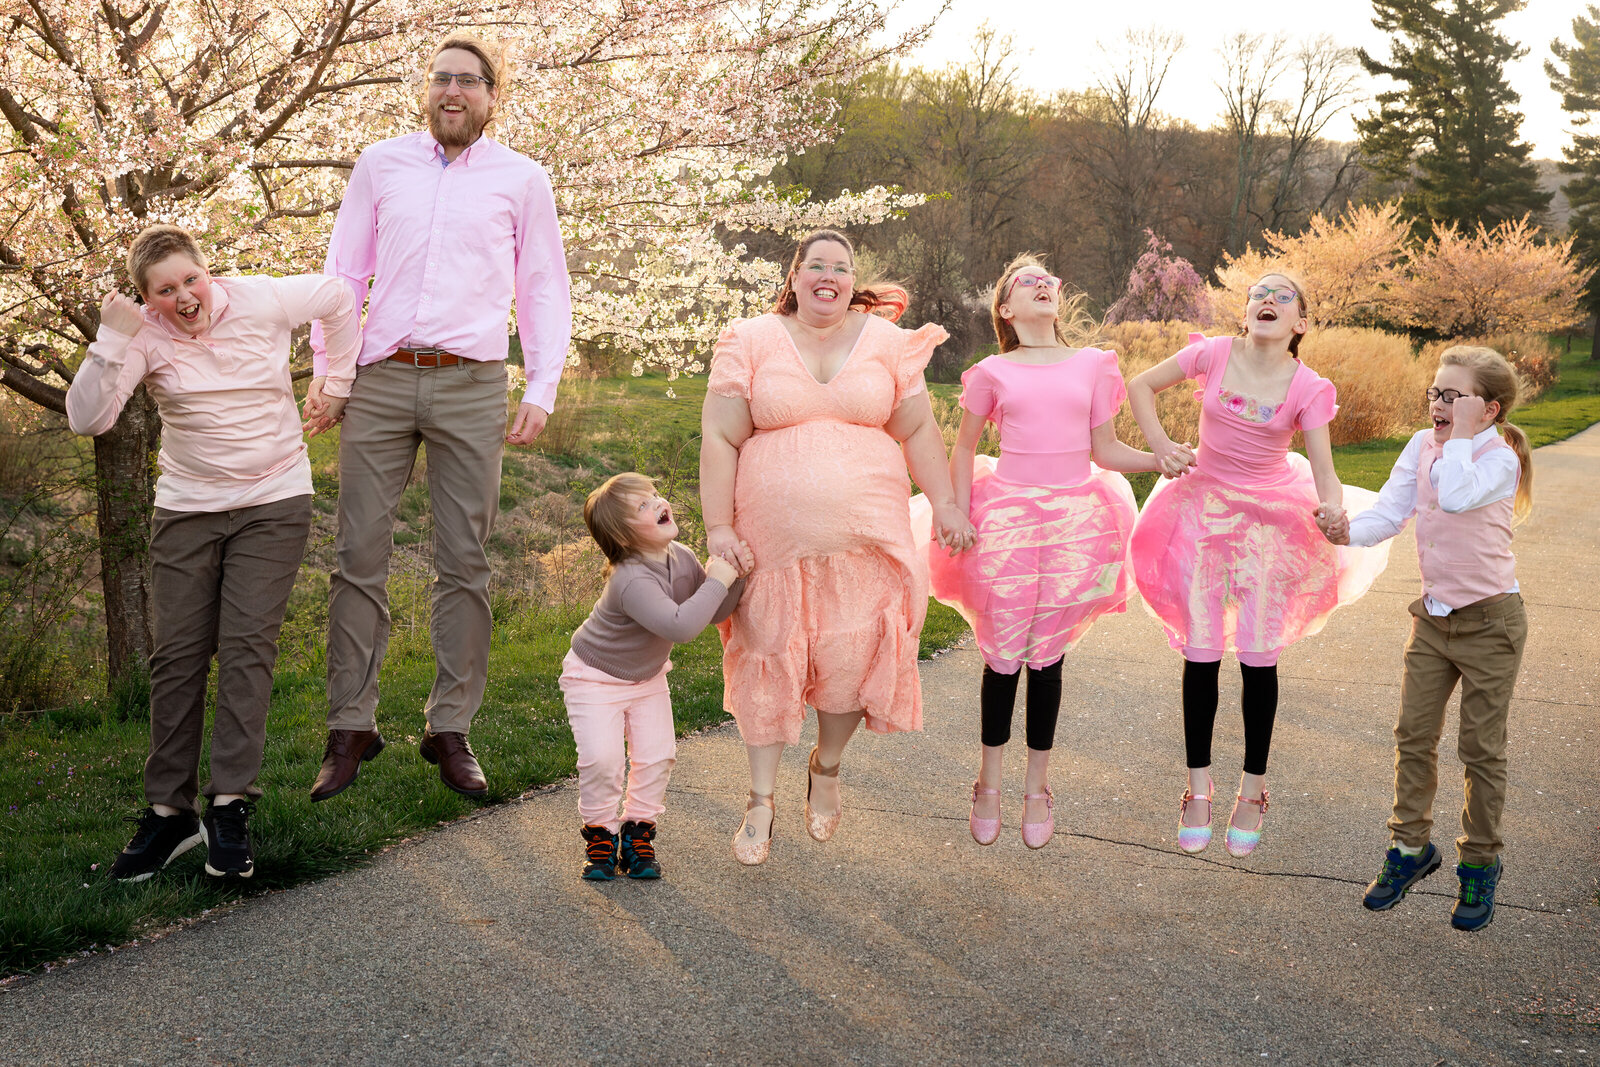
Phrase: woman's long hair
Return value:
(875, 295)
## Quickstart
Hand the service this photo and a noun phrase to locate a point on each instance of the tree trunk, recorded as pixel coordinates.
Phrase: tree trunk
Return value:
(125, 480)
(1594, 342)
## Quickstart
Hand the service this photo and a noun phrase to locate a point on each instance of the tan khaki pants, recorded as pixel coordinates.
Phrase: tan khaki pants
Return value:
(460, 413)
(1482, 648)
(221, 581)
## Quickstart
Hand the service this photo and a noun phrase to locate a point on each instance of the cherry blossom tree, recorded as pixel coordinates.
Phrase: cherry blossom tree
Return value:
(1162, 287)
(1504, 280)
(657, 119)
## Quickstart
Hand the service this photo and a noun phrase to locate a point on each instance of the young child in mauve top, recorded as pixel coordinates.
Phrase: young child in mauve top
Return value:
(1467, 479)
(615, 677)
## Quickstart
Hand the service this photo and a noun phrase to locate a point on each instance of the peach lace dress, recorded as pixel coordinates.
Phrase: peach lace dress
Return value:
(832, 614)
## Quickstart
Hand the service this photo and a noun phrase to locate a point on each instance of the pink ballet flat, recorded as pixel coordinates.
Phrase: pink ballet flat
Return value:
(984, 831)
(1038, 834)
(820, 827)
(1194, 839)
(1241, 843)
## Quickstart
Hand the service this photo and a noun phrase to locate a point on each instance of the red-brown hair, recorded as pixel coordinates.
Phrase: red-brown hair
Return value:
(875, 295)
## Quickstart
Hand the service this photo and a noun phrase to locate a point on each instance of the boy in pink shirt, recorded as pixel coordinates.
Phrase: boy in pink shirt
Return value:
(233, 509)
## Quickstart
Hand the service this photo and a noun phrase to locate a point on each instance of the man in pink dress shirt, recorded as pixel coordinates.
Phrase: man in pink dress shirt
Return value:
(449, 227)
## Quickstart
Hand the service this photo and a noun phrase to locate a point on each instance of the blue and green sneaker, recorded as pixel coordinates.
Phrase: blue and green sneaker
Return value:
(1475, 906)
(1400, 872)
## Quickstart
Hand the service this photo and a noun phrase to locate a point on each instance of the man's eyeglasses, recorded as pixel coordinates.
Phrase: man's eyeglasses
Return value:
(1449, 396)
(1029, 281)
(467, 81)
(1282, 295)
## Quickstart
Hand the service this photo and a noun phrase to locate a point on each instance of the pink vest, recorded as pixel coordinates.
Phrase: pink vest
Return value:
(1465, 556)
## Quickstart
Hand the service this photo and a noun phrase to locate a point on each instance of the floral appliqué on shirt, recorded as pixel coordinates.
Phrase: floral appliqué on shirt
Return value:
(1247, 408)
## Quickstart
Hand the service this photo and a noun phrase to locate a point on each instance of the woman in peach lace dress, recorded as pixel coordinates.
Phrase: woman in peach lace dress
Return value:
(813, 414)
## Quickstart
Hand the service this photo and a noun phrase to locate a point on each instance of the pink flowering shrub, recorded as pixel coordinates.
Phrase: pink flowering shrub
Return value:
(1162, 288)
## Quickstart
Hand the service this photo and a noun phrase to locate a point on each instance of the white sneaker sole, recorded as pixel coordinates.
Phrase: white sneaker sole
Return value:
(212, 871)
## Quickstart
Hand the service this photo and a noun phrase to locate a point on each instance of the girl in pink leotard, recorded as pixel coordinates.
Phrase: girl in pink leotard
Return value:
(1051, 555)
(1230, 556)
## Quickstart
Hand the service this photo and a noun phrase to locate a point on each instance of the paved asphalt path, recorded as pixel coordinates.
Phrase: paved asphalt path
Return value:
(902, 941)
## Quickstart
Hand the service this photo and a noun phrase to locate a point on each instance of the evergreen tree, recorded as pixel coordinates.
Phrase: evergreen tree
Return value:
(1579, 86)
(1448, 135)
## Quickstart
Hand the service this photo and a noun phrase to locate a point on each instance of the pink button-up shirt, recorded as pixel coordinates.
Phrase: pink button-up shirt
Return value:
(447, 249)
(230, 432)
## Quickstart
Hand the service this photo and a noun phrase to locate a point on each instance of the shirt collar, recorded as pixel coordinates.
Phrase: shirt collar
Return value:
(436, 150)
(219, 307)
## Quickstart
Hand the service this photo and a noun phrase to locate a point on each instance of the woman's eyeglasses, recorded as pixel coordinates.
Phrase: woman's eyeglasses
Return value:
(1280, 294)
(821, 270)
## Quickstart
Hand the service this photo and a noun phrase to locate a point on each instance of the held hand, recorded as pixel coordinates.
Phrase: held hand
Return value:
(321, 412)
(1334, 522)
(528, 425)
(720, 570)
(1466, 415)
(121, 314)
(1173, 459)
(952, 529)
(722, 541)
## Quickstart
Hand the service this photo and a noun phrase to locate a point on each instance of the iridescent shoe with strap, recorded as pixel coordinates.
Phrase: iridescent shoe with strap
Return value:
(746, 849)
(1243, 842)
(1193, 839)
(984, 831)
(820, 827)
(1038, 834)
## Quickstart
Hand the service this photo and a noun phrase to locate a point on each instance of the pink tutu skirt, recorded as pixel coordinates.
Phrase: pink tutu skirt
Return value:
(1228, 568)
(1049, 561)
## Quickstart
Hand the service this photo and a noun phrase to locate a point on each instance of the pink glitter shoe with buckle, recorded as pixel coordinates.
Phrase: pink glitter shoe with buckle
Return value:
(1038, 834)
(984, 831)
(1243, 842)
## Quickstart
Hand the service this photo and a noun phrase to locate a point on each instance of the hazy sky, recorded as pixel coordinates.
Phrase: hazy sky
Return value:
(1057, 46)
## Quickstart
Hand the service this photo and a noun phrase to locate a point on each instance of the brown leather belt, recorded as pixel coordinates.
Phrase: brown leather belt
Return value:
(426, 357)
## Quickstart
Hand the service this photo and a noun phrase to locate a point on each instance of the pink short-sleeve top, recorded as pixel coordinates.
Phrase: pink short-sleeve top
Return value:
(1044, 412)
(1243, 442)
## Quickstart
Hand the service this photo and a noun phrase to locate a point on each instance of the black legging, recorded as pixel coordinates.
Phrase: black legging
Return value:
(1258, 701)
(998, 697)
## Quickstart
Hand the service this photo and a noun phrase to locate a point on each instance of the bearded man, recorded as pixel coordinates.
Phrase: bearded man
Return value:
(448, 227)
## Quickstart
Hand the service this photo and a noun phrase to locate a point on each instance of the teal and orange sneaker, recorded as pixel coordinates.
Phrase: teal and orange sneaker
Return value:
(600, 853)
(1475, 906)
(636, 850)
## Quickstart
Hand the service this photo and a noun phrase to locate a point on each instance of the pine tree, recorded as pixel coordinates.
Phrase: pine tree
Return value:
(1448, 136)
(1579, 86)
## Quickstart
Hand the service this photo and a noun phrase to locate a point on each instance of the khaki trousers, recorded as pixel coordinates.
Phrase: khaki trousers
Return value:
(1480, 646)
(221, 581)
(460, 413)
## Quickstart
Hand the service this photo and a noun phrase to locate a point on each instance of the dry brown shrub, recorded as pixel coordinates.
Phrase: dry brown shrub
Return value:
(569, 575)
(1381, 382)
(1140, 346)
(1532, 354)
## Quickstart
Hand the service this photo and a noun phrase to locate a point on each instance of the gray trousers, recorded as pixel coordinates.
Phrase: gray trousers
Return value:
(459, 412)
(221, 582)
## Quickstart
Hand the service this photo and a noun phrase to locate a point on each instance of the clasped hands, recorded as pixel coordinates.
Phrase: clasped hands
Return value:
(1334, 522)
(321, 412)
(724, 546)
(952, 529)
(1173, 460)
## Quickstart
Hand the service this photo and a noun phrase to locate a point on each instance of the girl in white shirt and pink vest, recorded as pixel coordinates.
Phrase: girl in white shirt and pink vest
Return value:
(232, 513)
(1468, 479)
(615, 678)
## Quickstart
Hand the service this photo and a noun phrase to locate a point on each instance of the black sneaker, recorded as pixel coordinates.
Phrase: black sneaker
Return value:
(227, 832)
(637, 851)
(1475, 906)
(1400, 873)
(157, 842)
(601, 852)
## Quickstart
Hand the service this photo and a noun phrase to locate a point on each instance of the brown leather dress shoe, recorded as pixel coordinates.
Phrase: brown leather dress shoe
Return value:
(458, 767)
(342, 758)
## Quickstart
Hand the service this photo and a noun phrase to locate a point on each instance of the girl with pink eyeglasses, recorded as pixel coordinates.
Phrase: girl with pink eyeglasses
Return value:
(1052, 549)
(1230, 558)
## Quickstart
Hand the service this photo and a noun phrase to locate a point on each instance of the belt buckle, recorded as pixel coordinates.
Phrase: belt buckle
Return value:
(430, 352)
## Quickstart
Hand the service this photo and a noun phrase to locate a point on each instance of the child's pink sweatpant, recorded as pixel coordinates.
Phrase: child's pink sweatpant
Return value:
(604, 711)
